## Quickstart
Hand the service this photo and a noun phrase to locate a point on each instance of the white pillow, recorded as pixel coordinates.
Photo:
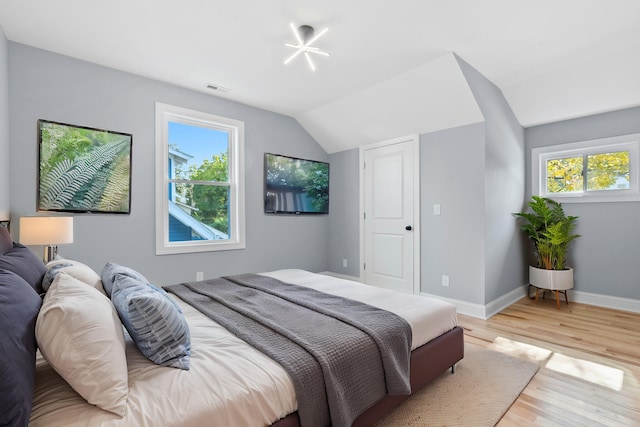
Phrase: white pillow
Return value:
(79, 333)
(80, 271)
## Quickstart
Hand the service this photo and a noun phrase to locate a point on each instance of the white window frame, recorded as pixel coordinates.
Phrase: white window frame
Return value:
(540, 156)
(168, 113)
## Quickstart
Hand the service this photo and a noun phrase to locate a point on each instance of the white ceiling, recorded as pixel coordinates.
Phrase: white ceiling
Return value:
(552, 59)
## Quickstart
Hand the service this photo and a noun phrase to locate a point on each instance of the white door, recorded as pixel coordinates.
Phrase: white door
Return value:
(390, 215)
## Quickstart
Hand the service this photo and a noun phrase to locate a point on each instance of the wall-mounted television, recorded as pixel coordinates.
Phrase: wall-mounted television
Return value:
(295, 186)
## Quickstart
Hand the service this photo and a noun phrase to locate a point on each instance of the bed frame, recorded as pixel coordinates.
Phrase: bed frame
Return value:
(427, 362)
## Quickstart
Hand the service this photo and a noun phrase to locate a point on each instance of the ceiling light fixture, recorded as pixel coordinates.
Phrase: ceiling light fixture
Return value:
(305, 37)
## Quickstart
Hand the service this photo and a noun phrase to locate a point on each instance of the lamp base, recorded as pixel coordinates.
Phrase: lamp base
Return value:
(50, 252)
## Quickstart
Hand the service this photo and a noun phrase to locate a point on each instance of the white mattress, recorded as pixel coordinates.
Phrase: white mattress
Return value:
(229, 383)
(428, 317)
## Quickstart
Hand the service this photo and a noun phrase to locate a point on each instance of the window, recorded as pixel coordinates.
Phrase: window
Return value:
(602, 170)
(199, 181)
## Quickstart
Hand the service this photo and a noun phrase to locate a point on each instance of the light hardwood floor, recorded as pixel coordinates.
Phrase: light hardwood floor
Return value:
(589, 361)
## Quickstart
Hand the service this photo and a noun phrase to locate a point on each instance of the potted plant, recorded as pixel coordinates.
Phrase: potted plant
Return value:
(551, 231)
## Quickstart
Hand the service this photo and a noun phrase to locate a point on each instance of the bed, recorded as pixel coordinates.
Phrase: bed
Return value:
(228, 382)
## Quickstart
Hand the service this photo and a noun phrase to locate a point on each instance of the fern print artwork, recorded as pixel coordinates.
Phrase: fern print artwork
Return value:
(83, 169)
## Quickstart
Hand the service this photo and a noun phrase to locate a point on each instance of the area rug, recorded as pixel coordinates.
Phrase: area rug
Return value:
(485, 384)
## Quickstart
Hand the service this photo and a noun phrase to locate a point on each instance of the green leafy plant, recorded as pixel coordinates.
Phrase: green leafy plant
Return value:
(550, 230)
(98, 178)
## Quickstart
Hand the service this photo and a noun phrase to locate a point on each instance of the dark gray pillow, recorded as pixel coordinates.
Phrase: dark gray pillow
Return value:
(111, 270)
(6, 244)
(19, 306)
(25, 264)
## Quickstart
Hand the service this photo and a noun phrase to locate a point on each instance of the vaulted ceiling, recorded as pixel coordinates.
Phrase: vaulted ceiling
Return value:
(391, 69)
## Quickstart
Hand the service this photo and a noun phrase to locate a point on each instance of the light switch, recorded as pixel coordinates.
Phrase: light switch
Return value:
(436, 209)
(445, 280)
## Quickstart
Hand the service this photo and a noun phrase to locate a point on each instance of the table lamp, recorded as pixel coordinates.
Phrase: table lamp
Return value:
(49, 231)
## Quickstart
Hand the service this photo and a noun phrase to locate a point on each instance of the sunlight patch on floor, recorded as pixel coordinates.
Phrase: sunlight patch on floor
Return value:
(592, 372)
(595, 373)
(520, 349)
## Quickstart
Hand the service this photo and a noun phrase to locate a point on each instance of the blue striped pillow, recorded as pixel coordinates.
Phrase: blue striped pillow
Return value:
(111, 270)
(154, 321)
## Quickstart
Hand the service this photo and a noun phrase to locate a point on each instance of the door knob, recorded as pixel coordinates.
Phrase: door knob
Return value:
(408, 228)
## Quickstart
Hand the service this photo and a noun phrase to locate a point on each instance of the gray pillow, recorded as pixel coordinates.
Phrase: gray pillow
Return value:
(19, 306)
(6, 244)
(111, 270)
(154, 321)
(25, 264)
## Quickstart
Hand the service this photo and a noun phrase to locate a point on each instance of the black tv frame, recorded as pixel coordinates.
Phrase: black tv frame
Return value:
(271, 208)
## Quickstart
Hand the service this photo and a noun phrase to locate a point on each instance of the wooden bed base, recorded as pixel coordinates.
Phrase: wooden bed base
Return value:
(427, 363)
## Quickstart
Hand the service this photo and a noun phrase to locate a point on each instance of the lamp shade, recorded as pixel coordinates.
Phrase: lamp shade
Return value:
(46, 230)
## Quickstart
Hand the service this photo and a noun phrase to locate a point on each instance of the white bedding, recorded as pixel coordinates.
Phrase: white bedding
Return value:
(229, 383)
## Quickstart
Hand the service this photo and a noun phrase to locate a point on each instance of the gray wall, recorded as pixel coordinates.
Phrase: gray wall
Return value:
(505, 267)
(475, 240)
(476, 174)
(4, 127)
(605, 258)
(50, 86)
(452, 243)
(344, 219)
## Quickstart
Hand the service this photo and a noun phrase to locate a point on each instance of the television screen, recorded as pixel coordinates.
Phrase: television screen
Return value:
(295, 186)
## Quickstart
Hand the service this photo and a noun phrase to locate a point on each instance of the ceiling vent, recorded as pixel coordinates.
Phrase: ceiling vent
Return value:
(217, 88)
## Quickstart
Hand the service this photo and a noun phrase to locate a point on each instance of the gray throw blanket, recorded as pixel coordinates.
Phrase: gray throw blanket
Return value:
(342, 355)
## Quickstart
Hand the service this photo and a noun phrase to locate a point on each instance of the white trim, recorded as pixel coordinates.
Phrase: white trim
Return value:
(496, 306)
(417, 230)
(540, 155)
(504, 301)
(166, 113)
(415, 138)
(484, 311)
(607, 301)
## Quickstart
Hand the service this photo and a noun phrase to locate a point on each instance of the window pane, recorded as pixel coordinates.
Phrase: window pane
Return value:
(565, 175)
(198, 150)
(608, 171)
(199, 181)
(196, 211)
(200, 213)
(611, 167)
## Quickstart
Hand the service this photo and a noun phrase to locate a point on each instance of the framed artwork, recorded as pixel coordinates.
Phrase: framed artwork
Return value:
(83, 169)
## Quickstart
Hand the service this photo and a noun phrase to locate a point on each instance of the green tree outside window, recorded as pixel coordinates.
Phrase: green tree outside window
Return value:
(604, 171)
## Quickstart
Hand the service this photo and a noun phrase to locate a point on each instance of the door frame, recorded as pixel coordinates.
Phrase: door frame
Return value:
(415, 139)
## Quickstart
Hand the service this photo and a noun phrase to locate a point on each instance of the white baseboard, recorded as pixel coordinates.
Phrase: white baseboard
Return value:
(500, 303)
(494, 307)
(608, 301)
(484, 311)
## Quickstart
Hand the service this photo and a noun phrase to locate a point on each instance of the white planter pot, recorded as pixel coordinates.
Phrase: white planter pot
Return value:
(556, 280)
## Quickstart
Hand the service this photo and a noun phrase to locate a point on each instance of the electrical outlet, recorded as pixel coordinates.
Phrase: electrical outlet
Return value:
(344, 263)
(445, 280)
(199, 276)
(436, 209)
